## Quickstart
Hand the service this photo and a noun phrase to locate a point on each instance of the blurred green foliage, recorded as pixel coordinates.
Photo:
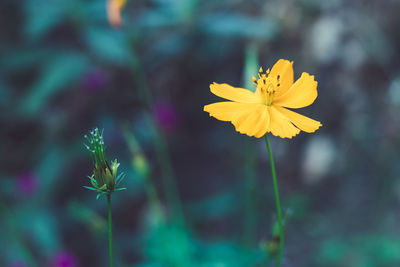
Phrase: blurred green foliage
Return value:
(199, 194)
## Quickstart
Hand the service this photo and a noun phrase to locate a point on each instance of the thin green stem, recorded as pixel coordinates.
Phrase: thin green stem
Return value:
(169, 181)
(277, 202)
(110, 246)
(135, 149)
(168, 177)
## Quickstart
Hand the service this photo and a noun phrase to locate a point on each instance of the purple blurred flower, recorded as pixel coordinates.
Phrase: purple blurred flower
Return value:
(63, 259)
(166, 115)
(95, 79)
(27, 183)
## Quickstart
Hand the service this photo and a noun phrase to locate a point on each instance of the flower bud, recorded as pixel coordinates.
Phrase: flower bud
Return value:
(105, 178)
(140, 164)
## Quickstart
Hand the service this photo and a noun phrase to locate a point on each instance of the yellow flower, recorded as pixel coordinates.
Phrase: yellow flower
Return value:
(114, 9)
(265, 110)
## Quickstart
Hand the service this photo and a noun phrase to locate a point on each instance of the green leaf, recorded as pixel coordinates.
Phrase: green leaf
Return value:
(214, 206)
(51, 169)
(120, 189)
(90, 188)
(93, 181)
(57, 75)
(107, 44)
(120, 178)
(238, 25)
(103, 187)
(42, 17)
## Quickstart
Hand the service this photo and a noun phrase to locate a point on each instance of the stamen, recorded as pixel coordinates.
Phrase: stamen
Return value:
(267, 86)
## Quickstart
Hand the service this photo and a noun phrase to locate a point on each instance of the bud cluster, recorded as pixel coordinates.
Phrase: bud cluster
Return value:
(105, 178)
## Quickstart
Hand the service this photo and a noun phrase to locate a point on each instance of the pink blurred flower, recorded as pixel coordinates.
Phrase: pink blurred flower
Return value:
(27, 183)
(63, 259)
(166, 115)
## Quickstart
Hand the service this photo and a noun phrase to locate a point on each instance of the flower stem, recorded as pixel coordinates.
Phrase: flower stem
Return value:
(110, 246)
(169, 179)
(278, 205)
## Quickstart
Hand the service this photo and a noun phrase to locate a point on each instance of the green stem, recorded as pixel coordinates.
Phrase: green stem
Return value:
(169, 181)
(168, 177)
(135, 149)
(278, 205)
(110, 246)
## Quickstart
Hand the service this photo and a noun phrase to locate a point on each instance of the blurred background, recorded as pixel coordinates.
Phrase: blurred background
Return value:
(199, 193)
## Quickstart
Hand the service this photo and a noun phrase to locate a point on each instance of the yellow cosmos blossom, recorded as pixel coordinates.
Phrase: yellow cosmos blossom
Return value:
(114, 9)
(265, 110)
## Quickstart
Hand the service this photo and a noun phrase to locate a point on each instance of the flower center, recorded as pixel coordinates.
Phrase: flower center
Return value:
(267, 86)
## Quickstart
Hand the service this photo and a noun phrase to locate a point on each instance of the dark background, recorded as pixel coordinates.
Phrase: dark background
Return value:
(64, 70)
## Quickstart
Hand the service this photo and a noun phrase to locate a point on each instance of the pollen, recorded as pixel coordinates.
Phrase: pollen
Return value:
(267, 86)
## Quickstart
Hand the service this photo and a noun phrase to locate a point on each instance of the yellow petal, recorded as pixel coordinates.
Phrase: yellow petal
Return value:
(302, 93)
(280, 124)
(302, 122)
(262, 125)
(232, 93)
(225, 110)
(246, 122)
(283, 68)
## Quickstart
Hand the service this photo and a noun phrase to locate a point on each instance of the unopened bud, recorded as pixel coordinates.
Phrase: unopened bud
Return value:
(140, 164)
(105, 178)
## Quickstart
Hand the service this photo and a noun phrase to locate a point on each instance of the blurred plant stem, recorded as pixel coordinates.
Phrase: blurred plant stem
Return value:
(168, 177)
(10, 222)
(277, 202)
(169, 181)
(250, 206)
(139, 74)
(110, 245)
(136, 152)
